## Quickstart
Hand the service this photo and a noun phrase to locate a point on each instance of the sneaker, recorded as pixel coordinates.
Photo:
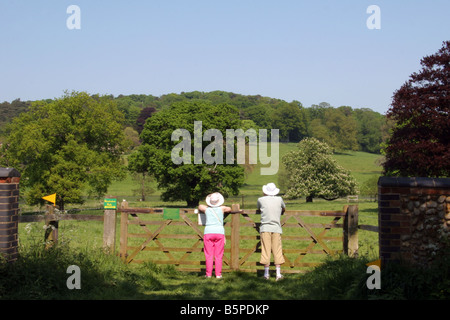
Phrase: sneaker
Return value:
(207, 277)
(279, 277)
(218, 277)
(266, 277)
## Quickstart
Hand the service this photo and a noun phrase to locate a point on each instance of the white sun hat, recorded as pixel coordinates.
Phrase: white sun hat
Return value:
(215, 199)
(270, 189)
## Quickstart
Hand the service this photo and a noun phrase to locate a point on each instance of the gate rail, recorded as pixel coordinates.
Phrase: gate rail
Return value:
(301, 238)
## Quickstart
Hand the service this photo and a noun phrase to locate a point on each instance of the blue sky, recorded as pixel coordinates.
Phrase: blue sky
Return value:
(309, 51)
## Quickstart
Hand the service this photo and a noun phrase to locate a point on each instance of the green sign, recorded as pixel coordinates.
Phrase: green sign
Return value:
(171, 213)
(110, 204)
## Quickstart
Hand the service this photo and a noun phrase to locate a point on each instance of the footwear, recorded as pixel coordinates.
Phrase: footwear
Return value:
(218, 277)
(266, 277)
(279, 277)
(208, 277)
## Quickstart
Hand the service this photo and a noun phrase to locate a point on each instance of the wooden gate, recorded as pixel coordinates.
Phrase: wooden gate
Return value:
(172, 241)
(148, 235)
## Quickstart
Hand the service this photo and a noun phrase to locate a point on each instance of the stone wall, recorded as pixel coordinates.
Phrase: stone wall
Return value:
(9, 213)
(414, 219)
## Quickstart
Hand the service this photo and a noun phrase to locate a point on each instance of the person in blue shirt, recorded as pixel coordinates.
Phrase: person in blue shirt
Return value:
(214, 234)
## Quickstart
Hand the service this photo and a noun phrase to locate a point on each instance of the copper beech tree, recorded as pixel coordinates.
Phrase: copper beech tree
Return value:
(419, 144)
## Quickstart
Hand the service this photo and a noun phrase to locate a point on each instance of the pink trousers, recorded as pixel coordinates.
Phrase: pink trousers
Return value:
(214, 247)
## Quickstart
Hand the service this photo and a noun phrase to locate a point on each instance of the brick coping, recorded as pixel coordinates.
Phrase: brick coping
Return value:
(420, 182)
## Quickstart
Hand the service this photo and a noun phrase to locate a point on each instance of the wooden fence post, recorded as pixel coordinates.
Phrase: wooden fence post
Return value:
(123, 231)
(51, 231)
(351, 231)
(235, 225)
(109, 230)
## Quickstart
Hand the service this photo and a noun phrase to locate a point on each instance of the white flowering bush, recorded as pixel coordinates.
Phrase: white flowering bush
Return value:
(313, 173)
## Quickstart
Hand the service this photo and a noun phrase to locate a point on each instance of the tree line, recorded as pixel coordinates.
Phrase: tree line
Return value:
(342, 128)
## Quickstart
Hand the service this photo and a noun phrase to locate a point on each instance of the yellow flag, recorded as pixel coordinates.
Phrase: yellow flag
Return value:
(51, 198)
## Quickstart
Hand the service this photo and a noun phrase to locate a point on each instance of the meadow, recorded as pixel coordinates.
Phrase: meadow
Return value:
(42, 274)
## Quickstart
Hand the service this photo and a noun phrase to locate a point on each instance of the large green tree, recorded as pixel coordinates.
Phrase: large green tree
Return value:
(336, 127)
(190, 180)
(370, 125)
(68, 146)
(290, 119)
(311, 172)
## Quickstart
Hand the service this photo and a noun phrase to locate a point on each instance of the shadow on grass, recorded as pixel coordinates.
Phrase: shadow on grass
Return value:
(233, 286)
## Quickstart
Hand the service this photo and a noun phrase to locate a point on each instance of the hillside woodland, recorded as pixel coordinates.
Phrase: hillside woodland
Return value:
(342, 128)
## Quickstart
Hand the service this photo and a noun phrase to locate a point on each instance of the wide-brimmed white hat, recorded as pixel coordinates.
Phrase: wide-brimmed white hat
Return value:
(215, 199)
(270, 189)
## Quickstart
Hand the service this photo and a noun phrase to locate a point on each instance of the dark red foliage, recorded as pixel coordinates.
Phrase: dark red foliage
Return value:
(143, 116)
(419, 145)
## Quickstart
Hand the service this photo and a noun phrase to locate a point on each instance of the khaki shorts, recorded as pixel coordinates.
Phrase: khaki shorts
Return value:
(271, 243)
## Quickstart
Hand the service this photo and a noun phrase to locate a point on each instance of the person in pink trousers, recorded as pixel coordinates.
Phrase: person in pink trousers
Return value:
(214, 234)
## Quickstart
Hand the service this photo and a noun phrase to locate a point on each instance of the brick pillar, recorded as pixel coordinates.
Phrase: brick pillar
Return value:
(9, 213)
(413, 219)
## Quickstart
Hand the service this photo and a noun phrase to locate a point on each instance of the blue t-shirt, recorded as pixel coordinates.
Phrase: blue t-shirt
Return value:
(214, 225)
